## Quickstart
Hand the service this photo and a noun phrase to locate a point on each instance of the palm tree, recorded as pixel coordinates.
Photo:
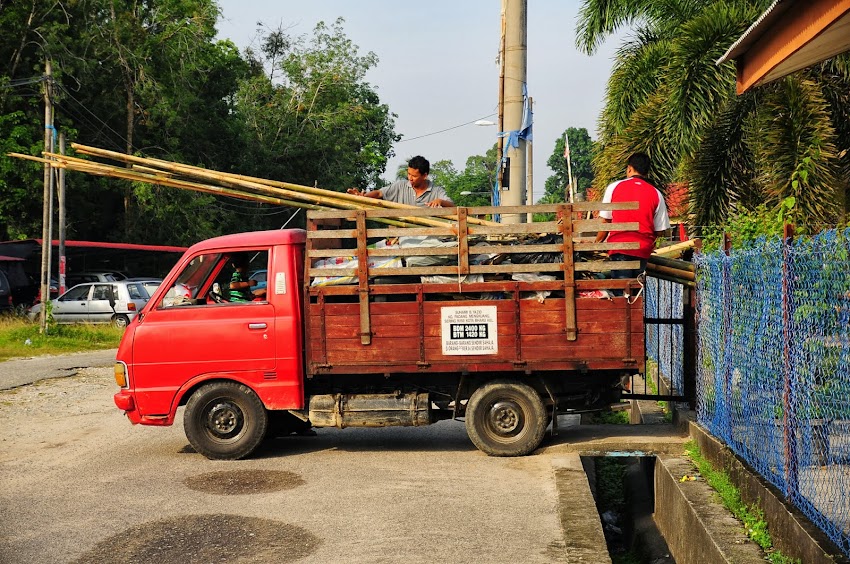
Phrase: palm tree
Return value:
(668, 98)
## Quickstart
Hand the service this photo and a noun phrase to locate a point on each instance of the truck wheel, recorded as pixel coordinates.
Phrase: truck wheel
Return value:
(120, 320)
(506, 418)
(225, 421)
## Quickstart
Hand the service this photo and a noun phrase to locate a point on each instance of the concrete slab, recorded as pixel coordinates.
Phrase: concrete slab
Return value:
(583, 536)
(791, 531)
(617, 440)
(696, 527)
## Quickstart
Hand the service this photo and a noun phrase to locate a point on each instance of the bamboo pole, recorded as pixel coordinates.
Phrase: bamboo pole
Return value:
(154, 176)
(260, 183)
(167, 178)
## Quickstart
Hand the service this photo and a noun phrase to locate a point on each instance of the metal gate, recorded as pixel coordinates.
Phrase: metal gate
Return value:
(669, 333)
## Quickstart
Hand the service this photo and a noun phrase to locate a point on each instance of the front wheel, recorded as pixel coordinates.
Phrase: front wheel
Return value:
(225, 421)
(506, 418)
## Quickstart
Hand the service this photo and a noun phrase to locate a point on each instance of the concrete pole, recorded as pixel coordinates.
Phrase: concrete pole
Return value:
(529, 176)
(46, 207)
(62, 265)
(515, 78)
(501, 140)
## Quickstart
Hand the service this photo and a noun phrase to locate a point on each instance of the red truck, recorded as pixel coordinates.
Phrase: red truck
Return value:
(387, 317)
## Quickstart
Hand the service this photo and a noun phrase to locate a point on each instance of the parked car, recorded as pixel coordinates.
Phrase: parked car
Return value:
(260, 277)
(74, 278)
(98, 302)
(5, 293)
(150, 284)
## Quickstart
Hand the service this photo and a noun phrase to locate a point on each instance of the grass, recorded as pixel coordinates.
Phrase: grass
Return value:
(60, 339)
(652, 366)
(751, 515)
(609, 417)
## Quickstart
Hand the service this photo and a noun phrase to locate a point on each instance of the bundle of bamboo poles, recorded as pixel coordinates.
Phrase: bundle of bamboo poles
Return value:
(187, 177)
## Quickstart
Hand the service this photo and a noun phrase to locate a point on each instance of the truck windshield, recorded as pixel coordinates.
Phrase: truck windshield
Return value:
(191, 280)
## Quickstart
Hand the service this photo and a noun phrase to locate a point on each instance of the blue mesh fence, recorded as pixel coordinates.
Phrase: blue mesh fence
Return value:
(773, 372)
(664, 345)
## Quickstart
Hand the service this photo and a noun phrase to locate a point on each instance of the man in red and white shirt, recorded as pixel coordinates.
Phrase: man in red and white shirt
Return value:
(651, 215)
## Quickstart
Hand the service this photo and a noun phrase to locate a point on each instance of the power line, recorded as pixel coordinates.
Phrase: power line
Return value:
(447, 129)
(23, 82)
(95, 116)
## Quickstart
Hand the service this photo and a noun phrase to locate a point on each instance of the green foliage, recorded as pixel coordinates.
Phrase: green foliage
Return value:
(151, 78)
(668, 98)
(14, 333)
(752, 516)
(313, 119)
(477, 178)
(581, 161)
(745, 226)
(610, 417)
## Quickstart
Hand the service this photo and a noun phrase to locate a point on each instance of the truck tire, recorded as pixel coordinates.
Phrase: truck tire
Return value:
(505, 418)
(225, 421)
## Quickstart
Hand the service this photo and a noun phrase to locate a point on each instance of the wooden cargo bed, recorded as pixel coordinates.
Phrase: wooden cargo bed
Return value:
(496, 325)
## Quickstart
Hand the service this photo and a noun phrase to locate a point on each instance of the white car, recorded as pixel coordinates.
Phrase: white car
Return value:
(98, 302)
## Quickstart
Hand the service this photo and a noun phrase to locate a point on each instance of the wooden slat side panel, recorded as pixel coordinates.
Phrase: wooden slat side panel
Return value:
(603, 334)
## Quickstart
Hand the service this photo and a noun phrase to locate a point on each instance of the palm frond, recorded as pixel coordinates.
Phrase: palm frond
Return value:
(636, 76)
(721, 173)
(796, 152)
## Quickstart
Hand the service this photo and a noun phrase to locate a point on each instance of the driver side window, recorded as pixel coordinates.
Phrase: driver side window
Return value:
(214, 278)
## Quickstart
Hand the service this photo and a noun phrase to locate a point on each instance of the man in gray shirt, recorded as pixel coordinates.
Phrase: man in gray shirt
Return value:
(417, 190)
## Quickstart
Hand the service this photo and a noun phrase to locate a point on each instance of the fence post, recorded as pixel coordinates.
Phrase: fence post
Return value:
(789, 420)
(727, 341)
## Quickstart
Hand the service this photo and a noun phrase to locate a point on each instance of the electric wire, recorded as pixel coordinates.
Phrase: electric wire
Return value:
(447, 129)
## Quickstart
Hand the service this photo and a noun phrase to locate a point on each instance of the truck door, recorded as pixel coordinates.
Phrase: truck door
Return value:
(192, 331)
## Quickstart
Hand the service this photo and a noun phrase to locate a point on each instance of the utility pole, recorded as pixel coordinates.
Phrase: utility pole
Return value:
(48, 196)
(516, 24)
(529, 176)
(62, 267)
(500, 144)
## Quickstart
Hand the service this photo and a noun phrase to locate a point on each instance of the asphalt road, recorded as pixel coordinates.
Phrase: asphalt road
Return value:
(19, 372)
(78, 483)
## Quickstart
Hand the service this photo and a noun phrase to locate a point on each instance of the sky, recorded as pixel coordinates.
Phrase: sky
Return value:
(438, 68)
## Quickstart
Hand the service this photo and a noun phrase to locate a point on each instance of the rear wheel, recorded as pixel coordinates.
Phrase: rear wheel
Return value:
(225, 421)
(505, 418)
(120, 320)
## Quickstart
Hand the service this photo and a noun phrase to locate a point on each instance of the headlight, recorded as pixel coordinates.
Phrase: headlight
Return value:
(121, 374)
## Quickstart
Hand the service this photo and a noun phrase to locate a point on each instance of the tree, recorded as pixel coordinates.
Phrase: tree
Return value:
(150, 77)
(313, 119)
(142, 76)
(668, 98)
(581, 161)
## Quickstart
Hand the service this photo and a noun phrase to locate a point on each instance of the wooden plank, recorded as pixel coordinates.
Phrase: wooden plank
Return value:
(606, 343)
(578, 352)
(554, 328)
(363, 279)
(569, 274)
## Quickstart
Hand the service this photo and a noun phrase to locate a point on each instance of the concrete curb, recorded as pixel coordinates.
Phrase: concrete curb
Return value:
(697, 529)
(583, 537)
(791, 531)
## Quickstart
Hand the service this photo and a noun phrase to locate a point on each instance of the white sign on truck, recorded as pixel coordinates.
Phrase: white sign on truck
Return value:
(469, 330)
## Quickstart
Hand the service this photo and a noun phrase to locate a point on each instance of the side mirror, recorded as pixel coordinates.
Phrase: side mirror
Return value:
(112, 297)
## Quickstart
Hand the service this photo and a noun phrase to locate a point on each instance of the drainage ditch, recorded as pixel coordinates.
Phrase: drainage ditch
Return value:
(622, 488)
